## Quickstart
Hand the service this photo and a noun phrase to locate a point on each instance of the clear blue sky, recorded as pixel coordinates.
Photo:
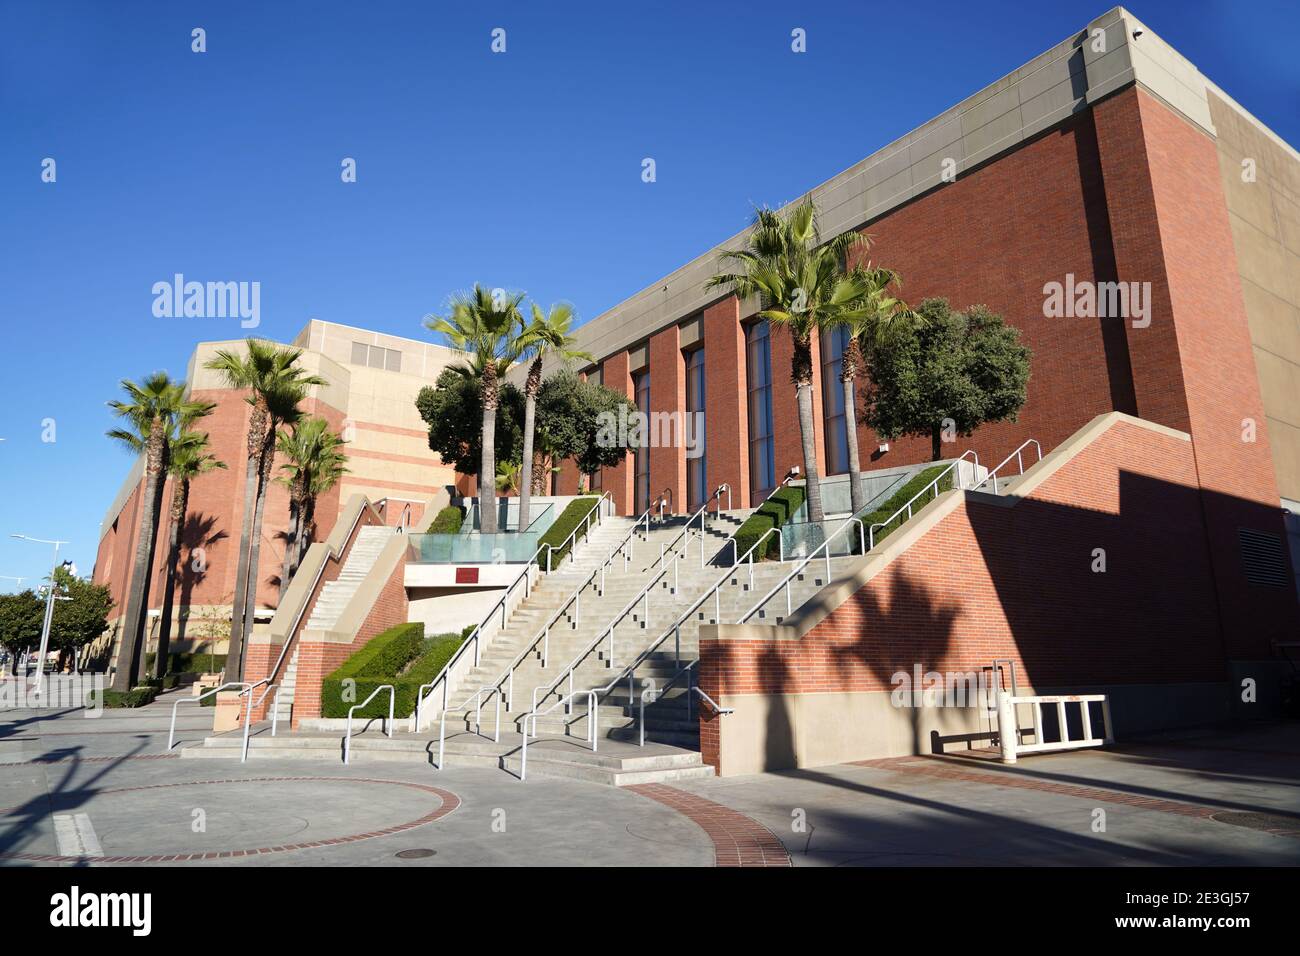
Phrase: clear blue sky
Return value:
(520, 170)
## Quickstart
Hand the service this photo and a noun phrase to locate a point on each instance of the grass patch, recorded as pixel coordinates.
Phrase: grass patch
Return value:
(772, 513)
(447, 521)
(902, 497)
(401, 656)
(573, 516)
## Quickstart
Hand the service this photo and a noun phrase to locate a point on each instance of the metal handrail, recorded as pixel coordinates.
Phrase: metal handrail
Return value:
(592, 720)
(932, 484)
(571, 540)
(798, 568)
(544, 633)
(388, 727)
(674, 628)
(1020, 463)
(474, 635)
(701, 514)
(171, 732)
(478, 727)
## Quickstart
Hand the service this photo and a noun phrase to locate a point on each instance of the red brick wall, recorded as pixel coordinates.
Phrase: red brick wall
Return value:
(317, 660)
(668, 394)
(617, 481)
(1193, 366)
(726, 419)
(991, 582)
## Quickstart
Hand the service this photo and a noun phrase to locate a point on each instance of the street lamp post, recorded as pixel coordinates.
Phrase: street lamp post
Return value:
(39, 684)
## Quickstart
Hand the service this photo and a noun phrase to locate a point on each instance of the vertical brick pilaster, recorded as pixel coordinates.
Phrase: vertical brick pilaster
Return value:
(725, 415)
(668, 413)
(618, 480)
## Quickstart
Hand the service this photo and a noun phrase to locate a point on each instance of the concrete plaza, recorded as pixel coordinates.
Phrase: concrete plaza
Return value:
(86, 791)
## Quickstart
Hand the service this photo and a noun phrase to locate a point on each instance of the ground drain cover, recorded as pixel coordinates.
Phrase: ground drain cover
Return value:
(1271, 822)
(417, 854)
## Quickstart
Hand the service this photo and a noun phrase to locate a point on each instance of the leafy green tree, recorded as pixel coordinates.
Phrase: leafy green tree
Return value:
(314, 461)
(21, 618)
(547, 336)
(486, 323)
(81, 616)
(189, 459)
(453, 410)
(966, 368)
(802, 285)
(155, 410)
(573, 418)
(275, 384)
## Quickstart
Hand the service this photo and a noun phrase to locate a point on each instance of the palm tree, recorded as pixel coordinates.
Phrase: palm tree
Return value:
(189, 459)
(874, 318)
(153, 409)
(313, 463)
(485, 323)
(803, 286)
(275, 384)
(547, 336)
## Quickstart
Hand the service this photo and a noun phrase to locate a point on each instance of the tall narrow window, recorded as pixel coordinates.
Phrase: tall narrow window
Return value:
(762, 452)
(641, 387)
(833, 342)
(697, 488)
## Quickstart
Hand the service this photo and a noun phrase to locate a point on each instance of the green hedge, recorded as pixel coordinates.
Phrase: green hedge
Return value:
(199, 662)
(901, 497)
(772, 513)
(400, 656)
(135, 697)
(574, 514)
(447, 521)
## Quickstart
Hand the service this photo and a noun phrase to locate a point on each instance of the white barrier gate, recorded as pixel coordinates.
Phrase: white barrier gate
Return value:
(1011, 745)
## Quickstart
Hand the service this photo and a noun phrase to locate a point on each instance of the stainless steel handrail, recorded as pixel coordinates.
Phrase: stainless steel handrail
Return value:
(171, 732)
(475, 634)
(592, 721)
(388, 727)
(931, 484)
(478, 714)
(1018, 455)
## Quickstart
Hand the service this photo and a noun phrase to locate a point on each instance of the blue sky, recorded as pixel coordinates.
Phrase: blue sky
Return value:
(519, 169)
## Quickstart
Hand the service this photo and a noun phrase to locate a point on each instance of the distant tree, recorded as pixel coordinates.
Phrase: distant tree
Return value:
(966, 367)
(314, 461)
(83, 617)
(21, 617)
(573, 416)
(453, 411)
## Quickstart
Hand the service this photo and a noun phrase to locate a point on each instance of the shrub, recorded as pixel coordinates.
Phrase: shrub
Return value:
(400, 656)
(448, 520)
(198, 662)
(573, 516)
(135, 697)
(772, 513)
(901, 497)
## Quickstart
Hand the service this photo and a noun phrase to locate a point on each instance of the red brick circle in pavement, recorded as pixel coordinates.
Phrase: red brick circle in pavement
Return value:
(737, 839)
(65, 757)
(448, 802)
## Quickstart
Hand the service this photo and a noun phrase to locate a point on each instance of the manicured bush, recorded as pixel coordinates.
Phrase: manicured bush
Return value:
(573, 516)
(400, 656)
(135, 697)
(199, 662)
(772, 513)
(448, 520)
(901, 497)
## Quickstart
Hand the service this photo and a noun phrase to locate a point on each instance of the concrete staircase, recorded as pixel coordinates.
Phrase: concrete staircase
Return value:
(284, 703)
(336, 594)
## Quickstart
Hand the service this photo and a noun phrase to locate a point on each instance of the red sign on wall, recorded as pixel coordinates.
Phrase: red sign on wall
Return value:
(467, 575)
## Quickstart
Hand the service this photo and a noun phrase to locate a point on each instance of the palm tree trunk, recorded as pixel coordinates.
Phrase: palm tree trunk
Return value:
(255, 539)
(141, 671)
(850, 362)
(180, 496)
(291, 537)
(530, 417)
(801, 369)
(487, 476)
(306, 530)
(253, 469)
(131, 648)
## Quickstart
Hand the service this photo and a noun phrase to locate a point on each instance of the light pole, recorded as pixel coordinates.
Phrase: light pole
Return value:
(39, 684)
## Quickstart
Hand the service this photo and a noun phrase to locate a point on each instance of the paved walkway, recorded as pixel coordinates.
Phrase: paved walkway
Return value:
(104, 790)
